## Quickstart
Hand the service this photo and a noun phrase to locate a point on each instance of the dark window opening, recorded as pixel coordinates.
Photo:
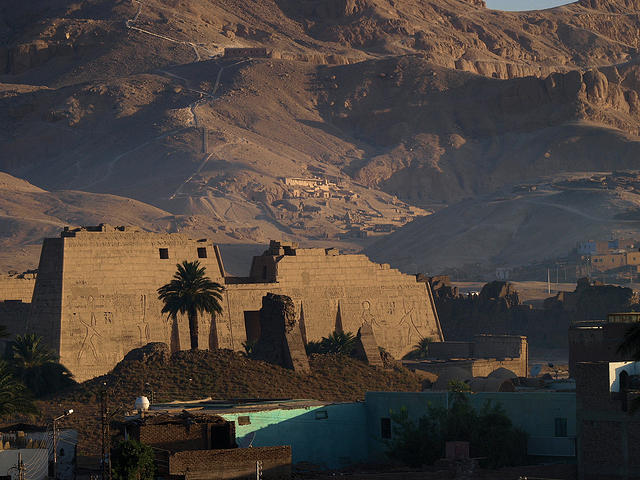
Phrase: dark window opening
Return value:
(322, 414)
(202, 252)
(244, 420)
(221, 436)
(164, 253)
(264, 272)
(561, 427)
(624, 387)
(385, 427)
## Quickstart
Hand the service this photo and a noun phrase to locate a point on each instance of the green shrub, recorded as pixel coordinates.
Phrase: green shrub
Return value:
(339, 343)
(132, 460)
(489, 431)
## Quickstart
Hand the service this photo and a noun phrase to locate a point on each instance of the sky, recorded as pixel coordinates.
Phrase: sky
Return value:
(524, 4)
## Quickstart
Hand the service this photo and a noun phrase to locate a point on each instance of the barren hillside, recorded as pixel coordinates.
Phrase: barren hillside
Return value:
(396, 107)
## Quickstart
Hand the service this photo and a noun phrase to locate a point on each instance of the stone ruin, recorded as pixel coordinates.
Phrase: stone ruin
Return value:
(367, 348)
(280, 339)
(95, 297)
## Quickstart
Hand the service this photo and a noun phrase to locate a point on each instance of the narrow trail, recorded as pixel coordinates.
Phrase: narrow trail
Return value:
(129, 24)
(198, 170)
(193, 107)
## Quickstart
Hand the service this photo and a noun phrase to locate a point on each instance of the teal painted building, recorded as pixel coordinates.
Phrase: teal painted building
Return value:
(549, 418)
(331, 436)
(341, 434)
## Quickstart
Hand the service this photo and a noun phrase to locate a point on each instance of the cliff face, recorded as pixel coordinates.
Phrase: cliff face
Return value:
(611, 5)
(430, 101)
(88, 37)
(446, 135)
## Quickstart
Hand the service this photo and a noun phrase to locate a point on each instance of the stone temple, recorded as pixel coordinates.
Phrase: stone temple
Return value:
(95, 296)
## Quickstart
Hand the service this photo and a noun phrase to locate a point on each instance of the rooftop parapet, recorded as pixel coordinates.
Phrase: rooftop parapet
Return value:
(279, 248)
(102, 228)
(625, 317)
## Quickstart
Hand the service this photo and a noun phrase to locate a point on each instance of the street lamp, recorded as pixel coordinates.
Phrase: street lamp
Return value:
(55, 442)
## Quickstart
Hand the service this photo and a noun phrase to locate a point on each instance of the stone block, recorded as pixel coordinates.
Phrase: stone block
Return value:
(280, 339)
(367, 347)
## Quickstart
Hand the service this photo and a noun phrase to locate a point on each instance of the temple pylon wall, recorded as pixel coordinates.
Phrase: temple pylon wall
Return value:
(95, 296)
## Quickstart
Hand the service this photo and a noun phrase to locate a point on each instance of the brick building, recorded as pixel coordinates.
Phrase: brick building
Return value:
(203, 447)
(599, 341)
(608, 261)
(608, 444)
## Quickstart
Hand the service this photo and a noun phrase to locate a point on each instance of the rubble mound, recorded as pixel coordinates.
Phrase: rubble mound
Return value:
(154, 352)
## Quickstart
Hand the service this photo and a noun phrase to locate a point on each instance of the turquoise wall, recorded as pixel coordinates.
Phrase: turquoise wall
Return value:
(336, 441)
(337, 435)
(533, 412)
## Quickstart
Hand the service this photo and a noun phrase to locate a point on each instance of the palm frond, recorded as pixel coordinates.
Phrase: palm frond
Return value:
(190, 291)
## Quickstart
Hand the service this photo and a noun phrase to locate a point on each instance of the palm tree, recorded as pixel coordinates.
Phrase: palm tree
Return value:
(421, 349)
(191, 292)
(37, 366)
(341, 343)
(631, 343)
(14, 397)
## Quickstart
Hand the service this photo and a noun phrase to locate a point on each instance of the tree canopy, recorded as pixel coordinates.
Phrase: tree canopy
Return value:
(35, 365)
(132, 460)
(340, 343)
(191, 292)
(489, 431)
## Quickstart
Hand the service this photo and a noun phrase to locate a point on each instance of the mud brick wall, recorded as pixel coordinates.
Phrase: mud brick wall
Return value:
(608, 438)
(237, 463)
(175, 437)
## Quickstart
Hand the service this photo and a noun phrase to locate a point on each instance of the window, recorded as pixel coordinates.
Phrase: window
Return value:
(561, 427)
(164, 253)
(264, 272)
(202, 252)
(322, 414)
(244, 420)
(385, 427)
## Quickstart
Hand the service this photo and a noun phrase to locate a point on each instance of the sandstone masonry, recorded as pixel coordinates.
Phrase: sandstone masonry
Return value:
(95, 296)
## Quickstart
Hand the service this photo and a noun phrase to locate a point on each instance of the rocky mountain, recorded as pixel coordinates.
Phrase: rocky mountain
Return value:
(393, 108)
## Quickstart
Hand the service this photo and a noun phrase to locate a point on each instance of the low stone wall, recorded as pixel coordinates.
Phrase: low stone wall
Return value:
(475, 367)
(235, 463)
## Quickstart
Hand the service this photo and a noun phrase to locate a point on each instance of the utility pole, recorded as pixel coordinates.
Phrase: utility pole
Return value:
(258, 469)
(55, 442)
(21, 469)
(548, 282)
(106, 435)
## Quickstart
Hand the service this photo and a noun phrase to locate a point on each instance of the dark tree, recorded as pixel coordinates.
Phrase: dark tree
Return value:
(36, 366)
(133, 460)
(14, 396)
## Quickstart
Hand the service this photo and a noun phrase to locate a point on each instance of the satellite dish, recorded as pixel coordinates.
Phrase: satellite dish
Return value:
(247, 440)
(535, 370)
(142, 404)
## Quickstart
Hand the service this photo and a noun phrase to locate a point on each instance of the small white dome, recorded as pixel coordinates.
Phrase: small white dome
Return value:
(142, 404)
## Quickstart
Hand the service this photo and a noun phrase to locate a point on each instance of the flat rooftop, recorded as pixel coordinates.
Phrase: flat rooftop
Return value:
(220, 407)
